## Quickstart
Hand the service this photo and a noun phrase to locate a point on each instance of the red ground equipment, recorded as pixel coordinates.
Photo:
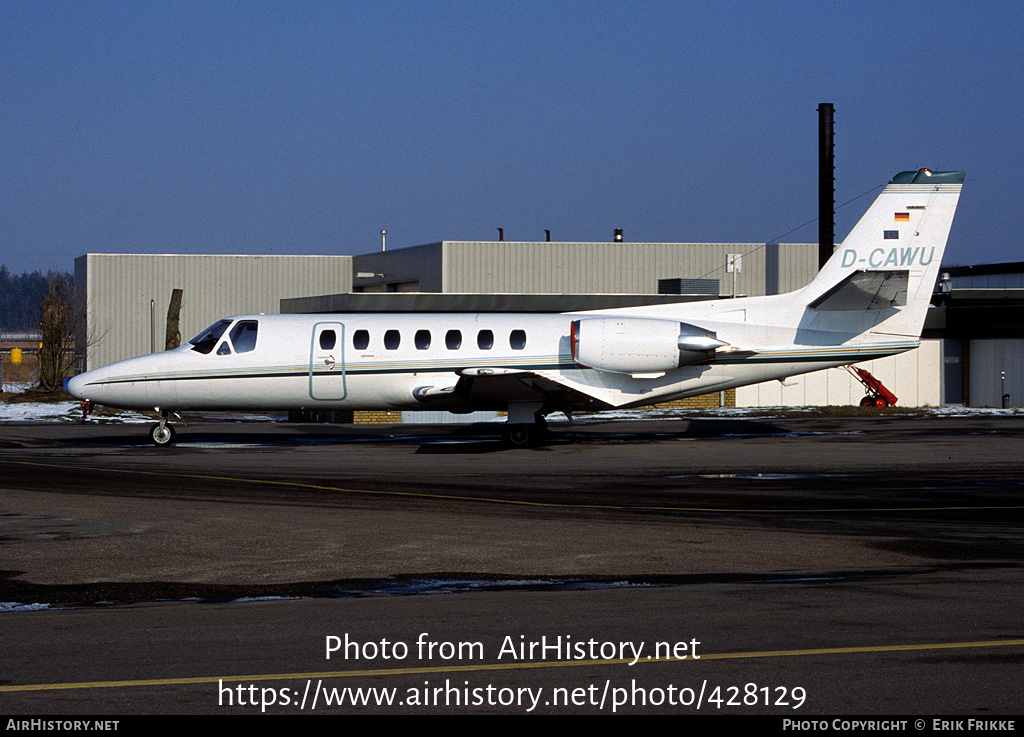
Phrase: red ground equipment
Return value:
(878, 395)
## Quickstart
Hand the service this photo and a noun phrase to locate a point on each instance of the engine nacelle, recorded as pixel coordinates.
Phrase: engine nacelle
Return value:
(639, 346)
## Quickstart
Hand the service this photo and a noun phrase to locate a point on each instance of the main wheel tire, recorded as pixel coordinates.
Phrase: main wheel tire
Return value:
(161, 436)
(520, 436)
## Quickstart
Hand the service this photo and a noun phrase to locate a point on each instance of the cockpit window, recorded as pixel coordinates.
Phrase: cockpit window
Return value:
(243, 336)
(206, 340)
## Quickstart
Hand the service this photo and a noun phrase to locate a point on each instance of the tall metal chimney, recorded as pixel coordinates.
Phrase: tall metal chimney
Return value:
(826, 184)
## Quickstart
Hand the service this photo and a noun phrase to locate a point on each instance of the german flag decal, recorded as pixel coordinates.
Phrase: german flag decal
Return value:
(902, 217)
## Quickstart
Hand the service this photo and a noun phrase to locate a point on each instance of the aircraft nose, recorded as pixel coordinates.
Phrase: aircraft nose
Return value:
(76, 386)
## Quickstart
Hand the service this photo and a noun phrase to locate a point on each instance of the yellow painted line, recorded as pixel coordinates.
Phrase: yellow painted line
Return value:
(500, 666)
(515, 502)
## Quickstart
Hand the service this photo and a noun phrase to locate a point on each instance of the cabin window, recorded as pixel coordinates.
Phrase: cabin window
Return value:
(485, 340)
(243, 336)
(360, 339)
(206, 340)
(422, 339)
(517, 339)
(392, 339)
(453, 339)
(328, 339)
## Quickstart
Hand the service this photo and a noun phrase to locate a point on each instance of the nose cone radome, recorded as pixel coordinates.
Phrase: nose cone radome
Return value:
(89, 385)
(76, 387)
(105, 385)
(135, 383)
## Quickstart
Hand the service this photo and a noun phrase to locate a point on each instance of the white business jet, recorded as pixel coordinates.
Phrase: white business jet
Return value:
(868, 301)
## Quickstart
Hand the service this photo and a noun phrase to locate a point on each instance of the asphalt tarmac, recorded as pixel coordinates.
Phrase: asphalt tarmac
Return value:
(867, 565)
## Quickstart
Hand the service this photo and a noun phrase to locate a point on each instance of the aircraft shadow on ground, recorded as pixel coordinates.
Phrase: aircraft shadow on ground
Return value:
(603, 433)
(432, 439)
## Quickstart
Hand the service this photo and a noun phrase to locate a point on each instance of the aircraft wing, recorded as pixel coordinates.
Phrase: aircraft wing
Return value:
(482, 387)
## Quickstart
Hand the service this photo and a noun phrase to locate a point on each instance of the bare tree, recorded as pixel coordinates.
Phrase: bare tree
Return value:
(172, 337)
(57, 330)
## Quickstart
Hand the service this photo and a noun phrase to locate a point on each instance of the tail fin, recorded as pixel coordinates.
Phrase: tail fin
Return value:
(881, 278)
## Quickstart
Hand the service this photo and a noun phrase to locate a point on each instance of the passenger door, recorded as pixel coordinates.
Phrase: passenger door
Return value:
(327, 362)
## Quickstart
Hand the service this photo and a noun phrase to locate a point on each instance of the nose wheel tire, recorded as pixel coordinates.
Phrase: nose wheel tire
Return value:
(161, 435)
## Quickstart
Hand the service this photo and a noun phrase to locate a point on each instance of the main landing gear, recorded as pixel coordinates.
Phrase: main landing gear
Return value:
(526, 426)
(161, 434)
(524, 436)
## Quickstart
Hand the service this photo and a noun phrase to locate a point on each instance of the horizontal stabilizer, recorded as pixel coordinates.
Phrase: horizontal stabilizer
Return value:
(865, 290)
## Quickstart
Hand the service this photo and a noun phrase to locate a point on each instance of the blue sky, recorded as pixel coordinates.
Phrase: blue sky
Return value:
(307, 127)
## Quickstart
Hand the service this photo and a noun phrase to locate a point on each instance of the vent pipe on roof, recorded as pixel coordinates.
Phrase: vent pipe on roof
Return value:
(826, 184)
(547, 235)
(618, 235)
(383, 240)
(501, 234)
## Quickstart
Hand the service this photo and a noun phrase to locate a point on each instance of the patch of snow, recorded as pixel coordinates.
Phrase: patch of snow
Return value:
(16, 606)
(37, 411)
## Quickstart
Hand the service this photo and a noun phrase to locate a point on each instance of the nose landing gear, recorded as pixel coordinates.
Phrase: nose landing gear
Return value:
(161, 434)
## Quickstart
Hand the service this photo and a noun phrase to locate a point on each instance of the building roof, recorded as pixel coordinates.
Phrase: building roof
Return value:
(1010, 267)
(460, 302)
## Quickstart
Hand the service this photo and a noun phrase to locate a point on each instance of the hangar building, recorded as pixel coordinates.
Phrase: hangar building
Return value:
(981, 320)
(525, 267)
(114, 293)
